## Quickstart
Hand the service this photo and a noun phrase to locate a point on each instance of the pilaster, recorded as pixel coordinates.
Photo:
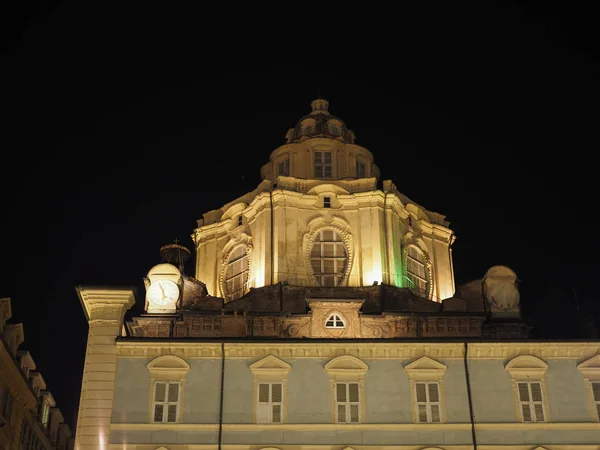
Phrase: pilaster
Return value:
(105, 309)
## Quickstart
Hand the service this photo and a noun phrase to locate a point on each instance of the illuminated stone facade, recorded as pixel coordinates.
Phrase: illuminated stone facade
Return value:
(323, 314)
(29, 418)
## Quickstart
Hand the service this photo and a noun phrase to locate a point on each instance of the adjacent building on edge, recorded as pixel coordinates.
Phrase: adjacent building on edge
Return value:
(323, 315)
(29, 416)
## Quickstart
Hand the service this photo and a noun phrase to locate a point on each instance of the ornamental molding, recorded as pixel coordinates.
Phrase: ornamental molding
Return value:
(425, 369)
(526, 367)
(346, 367)
(168, 367)
(270, 366)
(337, 224)
(361, 350)
(590, 369)
(465, 426)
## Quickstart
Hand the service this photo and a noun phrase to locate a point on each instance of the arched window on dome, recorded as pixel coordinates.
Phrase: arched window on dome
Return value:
(236, 275)
(416, 270)
(328, 258)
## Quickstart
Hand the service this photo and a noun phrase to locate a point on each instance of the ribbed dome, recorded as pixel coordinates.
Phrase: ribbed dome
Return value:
(320, 123)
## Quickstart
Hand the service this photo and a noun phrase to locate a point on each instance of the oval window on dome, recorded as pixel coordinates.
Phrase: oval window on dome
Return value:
(334, 129)
(236, 274)
(416, 271)
(328, 258)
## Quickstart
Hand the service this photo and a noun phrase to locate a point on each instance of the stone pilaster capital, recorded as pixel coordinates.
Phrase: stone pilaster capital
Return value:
(105, 303)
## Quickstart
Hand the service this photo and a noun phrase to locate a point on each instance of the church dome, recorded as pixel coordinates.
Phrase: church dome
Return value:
(320, 123)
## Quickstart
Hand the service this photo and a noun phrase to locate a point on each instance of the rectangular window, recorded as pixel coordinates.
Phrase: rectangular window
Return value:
(361, 169)
(596, 392)
(326, 202)
(531, 401)
(269, 405)
(45, 413)
(240, 220)
(323, 165)
(347, 403)
(428, 402)
(166, 402)
(283, 168)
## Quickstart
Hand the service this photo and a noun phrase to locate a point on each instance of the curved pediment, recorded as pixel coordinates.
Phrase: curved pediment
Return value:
(526, 366)
(425, 368)
(346, 363)
(590, 368)
(168, 367)
(161, 448)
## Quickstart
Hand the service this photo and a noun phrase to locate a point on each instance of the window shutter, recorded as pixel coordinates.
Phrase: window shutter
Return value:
(353, 392)
(276, 393)
(172, 413)
(434, 396)
(526, 412)
(536, 392)
(435, 413)
(341, 413)
(354, 413)
(421, 396)
(173, 392)
(523, 392)
(159, 392)
(276, 413)
(158, 413)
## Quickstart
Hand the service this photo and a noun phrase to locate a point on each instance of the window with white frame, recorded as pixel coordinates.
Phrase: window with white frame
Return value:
(269, 403)
(347, 388)
(328, 258)
(426, 377)
(166, 402)
(361, 169)
(323, 165)
(347, 402)
(334, 321)
(531, 401)
(528, 373)
(416, 271)
(427, 395)
(590, 369)
(236, 275)
(270, 389)
(283, 168)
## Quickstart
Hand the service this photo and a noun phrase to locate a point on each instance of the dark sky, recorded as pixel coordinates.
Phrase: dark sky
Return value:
(126, 121)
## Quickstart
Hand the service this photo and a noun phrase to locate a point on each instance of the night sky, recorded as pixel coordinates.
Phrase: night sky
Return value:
(126, 121)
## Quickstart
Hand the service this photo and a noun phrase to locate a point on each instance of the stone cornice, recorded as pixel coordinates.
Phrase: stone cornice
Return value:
(354, 426)
(363, 350)
(105, 303)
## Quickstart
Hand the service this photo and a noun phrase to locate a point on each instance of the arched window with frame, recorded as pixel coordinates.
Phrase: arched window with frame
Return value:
(416, 270)
(236, 275)
(329, 258)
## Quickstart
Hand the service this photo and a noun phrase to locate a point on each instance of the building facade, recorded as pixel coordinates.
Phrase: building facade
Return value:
(29, 417)
(323, 314)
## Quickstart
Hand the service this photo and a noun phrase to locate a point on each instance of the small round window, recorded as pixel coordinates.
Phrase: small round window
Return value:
(335, 321)
(328, 258)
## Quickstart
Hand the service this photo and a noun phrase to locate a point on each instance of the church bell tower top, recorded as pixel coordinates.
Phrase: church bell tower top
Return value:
(320, 105)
